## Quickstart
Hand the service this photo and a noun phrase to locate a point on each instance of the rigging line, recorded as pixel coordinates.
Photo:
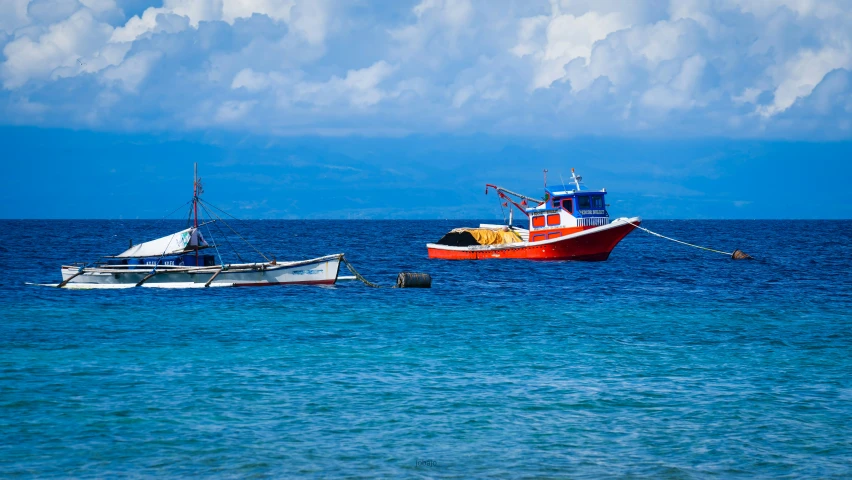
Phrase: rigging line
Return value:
(502, 211)
(175, 210)
(224, 235)
(240, 236)
(242, 221)
(678, 241)
(221, 262)
(189, 216)
(237, 234)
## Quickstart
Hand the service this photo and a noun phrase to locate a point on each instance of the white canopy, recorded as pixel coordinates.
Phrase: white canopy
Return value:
(177, 242)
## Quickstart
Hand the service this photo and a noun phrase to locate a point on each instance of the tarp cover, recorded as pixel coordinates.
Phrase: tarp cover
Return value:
(177, 242)
(487, 236)
(458, 239)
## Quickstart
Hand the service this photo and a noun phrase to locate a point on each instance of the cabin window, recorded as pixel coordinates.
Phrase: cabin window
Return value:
(538, 238)
(538, 221)
(554, 219)
(568, 205)
(584, 202)
(554, 235)
(597, 202)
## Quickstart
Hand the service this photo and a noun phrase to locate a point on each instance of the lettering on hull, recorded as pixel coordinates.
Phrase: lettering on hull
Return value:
(307, 272)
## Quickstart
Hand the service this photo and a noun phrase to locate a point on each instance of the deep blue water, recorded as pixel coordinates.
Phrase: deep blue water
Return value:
(664, 361)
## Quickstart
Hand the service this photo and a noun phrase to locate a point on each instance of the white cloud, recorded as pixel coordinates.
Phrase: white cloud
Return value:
(13, 15)
(99, 6)
(559, 67)
(680, 92)
(234, 9)
(306, 17)
(800, 75)
(47, 12)
(63, 45)
(138, 25)
(454, 13)
(250, 80)
(130, 73)
(436, 31)
(359, 88)
(749, 95)
(486, 88)
(309, 19)
(567, 37)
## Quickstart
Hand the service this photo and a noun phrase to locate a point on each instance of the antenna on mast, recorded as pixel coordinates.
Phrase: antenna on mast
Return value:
(576, 178)
(545, 178)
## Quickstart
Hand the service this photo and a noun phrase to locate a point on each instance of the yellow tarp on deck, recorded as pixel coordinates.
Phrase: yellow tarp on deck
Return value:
(486, 236)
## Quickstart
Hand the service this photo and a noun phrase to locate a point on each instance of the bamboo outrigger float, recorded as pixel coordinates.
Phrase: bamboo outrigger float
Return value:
(176, 261)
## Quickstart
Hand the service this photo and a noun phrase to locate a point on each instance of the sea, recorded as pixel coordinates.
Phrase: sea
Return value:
(664, 361)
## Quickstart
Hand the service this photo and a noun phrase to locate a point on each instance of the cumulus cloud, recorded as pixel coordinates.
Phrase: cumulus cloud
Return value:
(57, 52)
(132, 71)
(559, 67)
(567, 38)
(798, 77)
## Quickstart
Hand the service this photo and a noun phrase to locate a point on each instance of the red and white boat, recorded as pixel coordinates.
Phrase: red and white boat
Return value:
(568, 224)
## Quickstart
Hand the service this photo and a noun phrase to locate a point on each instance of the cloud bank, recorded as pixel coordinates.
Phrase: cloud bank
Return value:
(762, 68)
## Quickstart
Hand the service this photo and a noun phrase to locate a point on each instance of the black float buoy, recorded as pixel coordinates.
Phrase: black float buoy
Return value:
(740, 255)
(413, 280)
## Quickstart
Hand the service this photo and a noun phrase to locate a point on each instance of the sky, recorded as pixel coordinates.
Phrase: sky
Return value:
(404, 109)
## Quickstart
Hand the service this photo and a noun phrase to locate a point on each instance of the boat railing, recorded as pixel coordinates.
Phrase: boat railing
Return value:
(592, 221)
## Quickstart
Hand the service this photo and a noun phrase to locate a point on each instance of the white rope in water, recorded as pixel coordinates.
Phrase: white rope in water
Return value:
(678, 241)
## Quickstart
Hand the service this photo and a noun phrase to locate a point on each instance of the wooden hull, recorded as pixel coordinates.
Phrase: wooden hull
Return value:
(593, 245)
(317, 271)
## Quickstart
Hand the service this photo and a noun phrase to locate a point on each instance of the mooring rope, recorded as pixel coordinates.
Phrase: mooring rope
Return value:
(678, 241)
(358, 275)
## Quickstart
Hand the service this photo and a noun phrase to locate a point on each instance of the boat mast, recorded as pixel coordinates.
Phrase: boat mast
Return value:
(195, 206)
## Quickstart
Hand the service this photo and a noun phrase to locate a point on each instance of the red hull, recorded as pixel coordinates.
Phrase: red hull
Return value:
(593, 246)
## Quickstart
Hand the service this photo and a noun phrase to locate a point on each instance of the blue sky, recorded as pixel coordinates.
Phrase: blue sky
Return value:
(403, 109)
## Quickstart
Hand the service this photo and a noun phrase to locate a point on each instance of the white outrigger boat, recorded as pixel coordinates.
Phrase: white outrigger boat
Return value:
(176, 261)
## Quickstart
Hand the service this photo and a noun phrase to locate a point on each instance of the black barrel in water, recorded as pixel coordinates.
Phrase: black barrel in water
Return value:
(740, 255)
(413, 280)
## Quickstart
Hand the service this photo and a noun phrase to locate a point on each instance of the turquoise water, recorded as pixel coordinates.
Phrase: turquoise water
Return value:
(664, 361)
